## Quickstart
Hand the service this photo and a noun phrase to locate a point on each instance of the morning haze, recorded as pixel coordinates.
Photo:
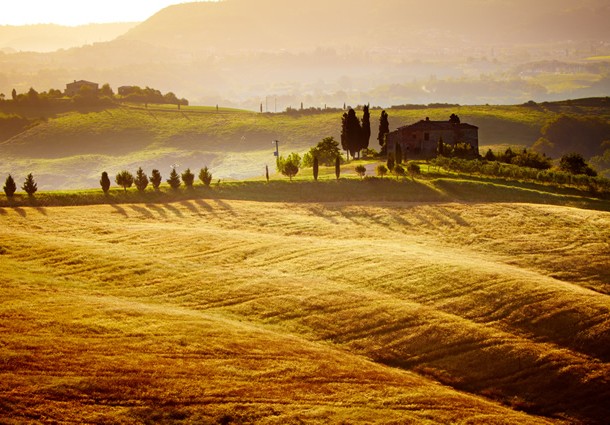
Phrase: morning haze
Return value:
(317, 212)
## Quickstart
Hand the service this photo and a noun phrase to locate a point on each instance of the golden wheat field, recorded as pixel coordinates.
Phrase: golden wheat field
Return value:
(212, 311)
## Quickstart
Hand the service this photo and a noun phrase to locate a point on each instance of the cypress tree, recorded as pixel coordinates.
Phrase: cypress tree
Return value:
(338, 167)
(384, 128)
(267, 173)
(390, 163)
(353, 133)
(10, 187)
(188, 178)
(174, 179)
(105, 182)
(366, 128)
(29, 185)
(141, 180)
(315, 168)
(344, 143)
(205, 176)
(440, 149)
(156, 179)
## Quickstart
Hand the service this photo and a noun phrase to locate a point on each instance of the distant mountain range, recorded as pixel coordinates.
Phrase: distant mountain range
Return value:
(241, 52)
(49, 37)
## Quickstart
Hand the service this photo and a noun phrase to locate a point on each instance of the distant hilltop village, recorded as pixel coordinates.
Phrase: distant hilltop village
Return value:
(426, 138)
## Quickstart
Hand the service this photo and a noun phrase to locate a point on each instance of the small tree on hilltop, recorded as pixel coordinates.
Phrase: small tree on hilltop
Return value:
(361, 170)
(155, 179)
(124, 179)
(174, 179)
(29, 185)
(399, 171)
(382, 170)
(10, 187)
(188, 178)
(105, 182)
(413, 170)
(290, 165)
(205, 176)
(338, 167)
(315, 168)
(141, 180)
(574, 163)
(390, 163)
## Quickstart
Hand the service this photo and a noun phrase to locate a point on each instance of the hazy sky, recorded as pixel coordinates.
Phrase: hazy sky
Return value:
(70, 12)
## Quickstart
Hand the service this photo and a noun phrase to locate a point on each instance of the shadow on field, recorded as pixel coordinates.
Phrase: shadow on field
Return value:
(174, 210)
(3, 211)
(21, 212)
(157, 209)
(204, 205)
(120, 210)
(225, 206)
(145, 212)
(191, 207)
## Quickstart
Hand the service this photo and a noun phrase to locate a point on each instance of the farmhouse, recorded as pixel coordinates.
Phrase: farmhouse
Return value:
(420, 140)
(76, 86)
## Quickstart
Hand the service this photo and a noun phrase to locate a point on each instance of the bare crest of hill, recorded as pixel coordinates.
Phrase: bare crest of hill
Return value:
(277, 24)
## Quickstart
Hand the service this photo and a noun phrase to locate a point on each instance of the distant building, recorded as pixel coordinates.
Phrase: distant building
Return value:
(75, 87)
(126, 90)
(420, 140)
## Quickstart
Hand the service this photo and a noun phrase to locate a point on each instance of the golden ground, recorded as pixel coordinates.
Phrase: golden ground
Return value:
(210, 311)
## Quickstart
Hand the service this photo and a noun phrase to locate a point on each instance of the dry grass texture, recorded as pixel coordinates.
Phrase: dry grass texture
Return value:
(234, 311)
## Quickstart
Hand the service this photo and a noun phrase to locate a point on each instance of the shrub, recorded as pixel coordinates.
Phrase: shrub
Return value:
(338, 167)
(188, 178)
(413, 170)
(29, 185)
(124, 179)
(205, 176)
(156, 179)
(105, 182)
(382, 170)
(174, 179)
(141, 180)
(10, 187)
(361, 170)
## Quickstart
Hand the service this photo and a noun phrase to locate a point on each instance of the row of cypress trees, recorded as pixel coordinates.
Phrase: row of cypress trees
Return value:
(125, 179)
(29, 186)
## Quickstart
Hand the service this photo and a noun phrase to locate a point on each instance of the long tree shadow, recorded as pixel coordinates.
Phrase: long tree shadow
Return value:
(21, 212)
(225, 207)
(191, 207)
(120, 210)
(157, 209)
(144, 211)
(174, 210)
(204, 205)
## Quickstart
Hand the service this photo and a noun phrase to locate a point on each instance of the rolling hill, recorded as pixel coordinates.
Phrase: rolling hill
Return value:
(211, 310)
(70, 150)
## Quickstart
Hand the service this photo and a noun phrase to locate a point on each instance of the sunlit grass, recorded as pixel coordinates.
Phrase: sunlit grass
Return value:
(210, 308)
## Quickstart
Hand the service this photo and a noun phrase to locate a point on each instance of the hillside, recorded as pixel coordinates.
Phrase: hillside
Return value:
(48, 37)
(469, 52)
(212, 310)
(70, 150)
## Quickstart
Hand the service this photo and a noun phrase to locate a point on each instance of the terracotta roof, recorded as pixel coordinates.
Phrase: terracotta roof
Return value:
(437, 125)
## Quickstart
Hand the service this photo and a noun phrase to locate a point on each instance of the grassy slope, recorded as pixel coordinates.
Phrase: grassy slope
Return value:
(72, 149)
(319, 312)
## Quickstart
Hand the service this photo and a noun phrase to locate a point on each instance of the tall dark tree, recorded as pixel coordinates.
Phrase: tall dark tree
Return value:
(338, 167)
(141, 180)
(188, 178)
(14, 94)
(29, 185)
(267, 173)
(384, 129)
(398, 154)
(156, 179)
(352, 134)
(390, 163)
(174, 179)
(574, 163)
(124, 179)
(10, 187)
(365, 133)
(344, 144)
(315, 168)
(105, 182)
